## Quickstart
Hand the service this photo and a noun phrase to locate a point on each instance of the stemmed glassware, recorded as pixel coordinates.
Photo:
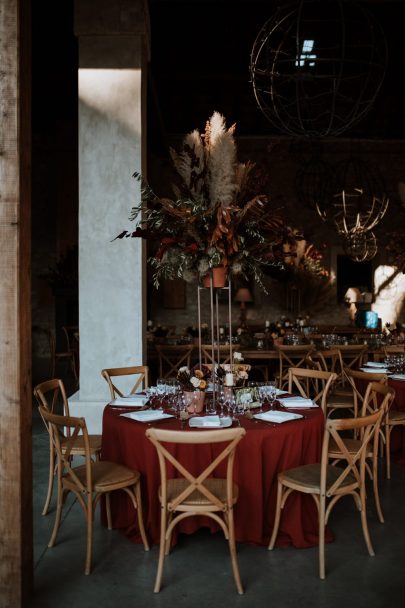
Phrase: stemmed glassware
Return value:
(221, 401)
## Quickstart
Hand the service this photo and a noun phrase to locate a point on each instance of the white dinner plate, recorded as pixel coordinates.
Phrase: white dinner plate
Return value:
(210, 422)
(147, 415)
(130, 401)
(276, 416)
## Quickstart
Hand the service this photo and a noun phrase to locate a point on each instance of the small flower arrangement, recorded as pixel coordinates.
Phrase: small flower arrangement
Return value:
(194, 379)
(233, 374)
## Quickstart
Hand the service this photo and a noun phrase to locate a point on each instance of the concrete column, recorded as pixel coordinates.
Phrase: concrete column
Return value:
(112, 295)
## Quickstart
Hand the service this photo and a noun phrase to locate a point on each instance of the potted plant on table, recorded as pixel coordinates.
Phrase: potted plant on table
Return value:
(216, 219)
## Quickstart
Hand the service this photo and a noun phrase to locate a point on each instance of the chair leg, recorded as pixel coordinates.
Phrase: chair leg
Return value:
(364, 524)
(388, 449)
(232, 550)
(375, 489)
(50, 478)
(108, 510)
(59, 506)
(140, 516)
(277, 517)
(89, 522)
(321, 516)
(159, 573)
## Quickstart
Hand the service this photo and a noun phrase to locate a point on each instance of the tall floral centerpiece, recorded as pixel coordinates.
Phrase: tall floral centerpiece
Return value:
(215, 219)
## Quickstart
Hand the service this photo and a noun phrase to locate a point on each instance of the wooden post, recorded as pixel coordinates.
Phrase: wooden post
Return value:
(15, 309)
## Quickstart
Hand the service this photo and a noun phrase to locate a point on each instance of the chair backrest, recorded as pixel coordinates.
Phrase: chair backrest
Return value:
(330, 360)
(305, 379)
(141, 379)
(378, 395)
(291, 356)
(231, 437)
(353, 355)
(68, 428)
(352, 375)
(172, 357)
(351, 463)
(70, 331)
(394, 349)
(47, 394)
(221, 351)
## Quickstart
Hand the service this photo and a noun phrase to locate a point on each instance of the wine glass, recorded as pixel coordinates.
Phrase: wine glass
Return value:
(221, 401)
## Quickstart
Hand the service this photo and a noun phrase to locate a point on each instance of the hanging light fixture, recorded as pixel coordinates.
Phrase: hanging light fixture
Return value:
(317, 66)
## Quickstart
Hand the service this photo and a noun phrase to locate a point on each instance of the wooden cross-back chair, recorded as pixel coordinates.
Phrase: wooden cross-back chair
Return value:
(67, 355)
(330, 360)
(291, 356)
(378, 396)
(141, 379)
(172, 357)
(192, 495)
(394, 349)
(352, 401)
(306, 379)
(90, 481)
(352, 356)
(221, 350)
(327, 484)
(48, 395)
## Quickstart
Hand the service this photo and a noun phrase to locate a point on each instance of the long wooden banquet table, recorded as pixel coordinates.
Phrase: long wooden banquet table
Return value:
(263, 452)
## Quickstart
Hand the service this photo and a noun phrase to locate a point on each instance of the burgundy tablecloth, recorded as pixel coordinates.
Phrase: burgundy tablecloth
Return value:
(261, 454)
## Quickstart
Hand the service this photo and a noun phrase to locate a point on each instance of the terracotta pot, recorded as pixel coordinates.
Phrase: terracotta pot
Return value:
(194, 401)
(219, 275)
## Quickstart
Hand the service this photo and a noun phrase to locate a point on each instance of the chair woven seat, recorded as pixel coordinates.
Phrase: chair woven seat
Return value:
(395, 415)
(216, 486)
(106, 473)
(308, 477)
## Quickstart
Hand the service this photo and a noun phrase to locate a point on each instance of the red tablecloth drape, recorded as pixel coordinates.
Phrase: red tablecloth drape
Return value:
(262, 453)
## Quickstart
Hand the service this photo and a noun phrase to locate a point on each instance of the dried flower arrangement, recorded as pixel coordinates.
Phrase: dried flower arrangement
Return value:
(215, 218)
(240, 371)
(194, 379)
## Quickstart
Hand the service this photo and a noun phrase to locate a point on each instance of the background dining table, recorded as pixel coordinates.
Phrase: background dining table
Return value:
(265, 450)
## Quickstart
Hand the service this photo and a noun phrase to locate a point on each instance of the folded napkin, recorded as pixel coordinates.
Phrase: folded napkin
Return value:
(397, 377)
(147, 415)
(131, 401)
(296, 402)
(276, 416)
(280, 392)
(375, 364)
(210, 422)
(375, 370)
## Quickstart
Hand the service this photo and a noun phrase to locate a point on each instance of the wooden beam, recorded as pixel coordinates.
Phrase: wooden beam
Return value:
(15, 309)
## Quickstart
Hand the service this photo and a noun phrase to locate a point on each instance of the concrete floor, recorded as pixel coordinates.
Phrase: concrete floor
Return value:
(197, 572)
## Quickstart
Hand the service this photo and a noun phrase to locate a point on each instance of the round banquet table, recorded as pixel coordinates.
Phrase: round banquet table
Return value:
(262, 453)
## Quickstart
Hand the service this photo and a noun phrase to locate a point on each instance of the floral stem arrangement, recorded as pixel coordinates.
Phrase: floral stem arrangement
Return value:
(194, 379)
(215, 218)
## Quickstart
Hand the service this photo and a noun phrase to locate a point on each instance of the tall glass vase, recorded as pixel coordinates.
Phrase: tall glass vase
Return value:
(214, 323)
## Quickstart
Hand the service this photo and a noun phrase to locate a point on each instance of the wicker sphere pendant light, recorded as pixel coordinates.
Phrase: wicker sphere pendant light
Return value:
(317, 66)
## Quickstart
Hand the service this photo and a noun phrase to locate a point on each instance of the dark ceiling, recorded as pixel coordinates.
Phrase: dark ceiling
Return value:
(200, 55)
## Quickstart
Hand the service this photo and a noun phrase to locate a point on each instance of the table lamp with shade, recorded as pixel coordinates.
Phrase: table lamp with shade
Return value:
(243, 296)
